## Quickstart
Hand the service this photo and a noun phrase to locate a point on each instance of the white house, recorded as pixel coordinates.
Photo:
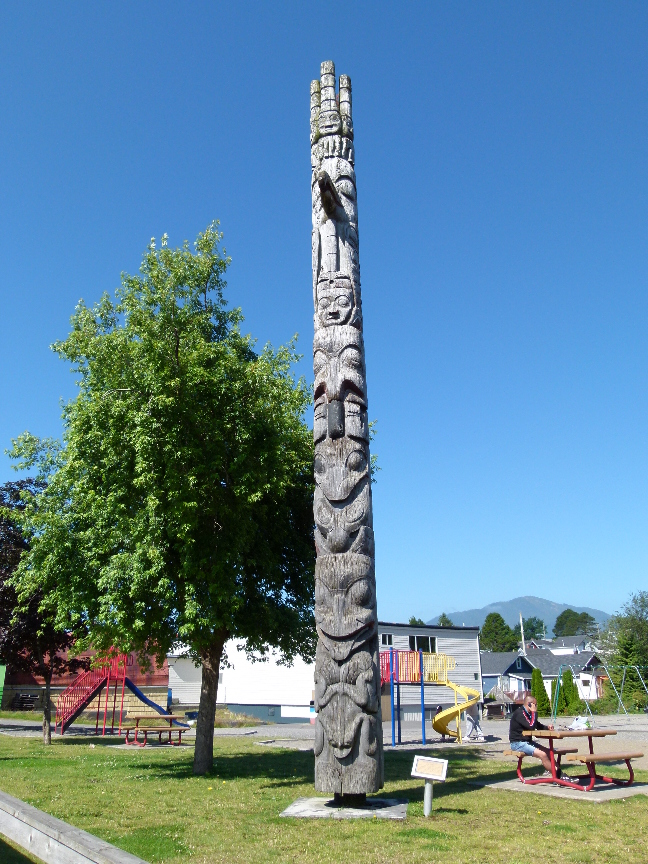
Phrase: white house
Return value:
(267, 689)
(277, 693)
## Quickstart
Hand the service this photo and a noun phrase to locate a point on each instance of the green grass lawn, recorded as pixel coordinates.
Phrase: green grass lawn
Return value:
(23, 715)
(148, 802)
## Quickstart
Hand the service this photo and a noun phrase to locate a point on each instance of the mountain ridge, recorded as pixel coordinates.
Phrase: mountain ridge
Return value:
(529, 606)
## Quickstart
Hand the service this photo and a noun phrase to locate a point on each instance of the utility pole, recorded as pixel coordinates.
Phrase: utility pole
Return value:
(522, 632)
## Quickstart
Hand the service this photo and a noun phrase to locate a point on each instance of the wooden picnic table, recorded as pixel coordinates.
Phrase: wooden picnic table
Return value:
(158, 730)
(589, 759)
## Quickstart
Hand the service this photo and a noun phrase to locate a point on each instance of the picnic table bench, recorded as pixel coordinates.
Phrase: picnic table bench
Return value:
(589, 759)
(559, 752)
(157, 730)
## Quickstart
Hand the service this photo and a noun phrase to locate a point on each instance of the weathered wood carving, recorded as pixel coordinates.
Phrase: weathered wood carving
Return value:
(348, 736)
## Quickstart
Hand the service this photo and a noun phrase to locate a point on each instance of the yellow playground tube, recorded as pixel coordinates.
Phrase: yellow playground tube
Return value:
(453, 713)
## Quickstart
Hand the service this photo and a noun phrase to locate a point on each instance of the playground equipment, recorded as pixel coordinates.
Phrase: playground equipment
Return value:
(106, 673)
(418, 667)
(577, 669)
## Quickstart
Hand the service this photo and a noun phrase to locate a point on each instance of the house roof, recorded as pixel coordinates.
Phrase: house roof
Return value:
(549, 664)
(417, 628)
(496, 662)
(562, 642)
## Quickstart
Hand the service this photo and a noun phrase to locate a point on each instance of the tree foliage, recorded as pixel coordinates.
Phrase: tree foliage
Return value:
(538, 690)
(180, 508)
(571, 623)
(30, 640)
(444, 621)
(569, 687)
(416, 622)
(562, 704)
(534, 627)
(629, 631)
(496, 635)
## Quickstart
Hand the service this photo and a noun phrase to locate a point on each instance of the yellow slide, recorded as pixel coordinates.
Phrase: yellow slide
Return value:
(443, 718)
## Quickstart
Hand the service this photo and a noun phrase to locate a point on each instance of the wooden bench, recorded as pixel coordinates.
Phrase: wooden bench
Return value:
(559, 752)
(157, 730)
(24, 702)
(592, 759)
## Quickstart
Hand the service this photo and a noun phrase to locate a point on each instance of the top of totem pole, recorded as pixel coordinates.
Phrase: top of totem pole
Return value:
(330, 112)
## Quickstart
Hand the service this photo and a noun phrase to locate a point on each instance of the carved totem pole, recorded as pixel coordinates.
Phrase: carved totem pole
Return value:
(348, 734)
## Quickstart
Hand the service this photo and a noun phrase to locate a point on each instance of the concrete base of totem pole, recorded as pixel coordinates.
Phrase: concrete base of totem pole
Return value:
(329, 808)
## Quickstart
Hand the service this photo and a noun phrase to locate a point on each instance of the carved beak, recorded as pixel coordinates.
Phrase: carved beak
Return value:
(328, 193)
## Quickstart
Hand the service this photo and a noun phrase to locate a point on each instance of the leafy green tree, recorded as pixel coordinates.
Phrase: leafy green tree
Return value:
(180, 507)
(629, 632)
(30, 641)
(534, 628)
(538, 690)
(444, 621)
(625, 663)
(571, 623)
(416, 622)
(496, 635)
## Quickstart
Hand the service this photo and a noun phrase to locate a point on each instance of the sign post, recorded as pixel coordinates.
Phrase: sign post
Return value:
(431, 770)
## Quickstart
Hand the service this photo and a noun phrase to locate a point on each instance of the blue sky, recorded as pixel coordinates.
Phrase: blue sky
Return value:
(502, 188)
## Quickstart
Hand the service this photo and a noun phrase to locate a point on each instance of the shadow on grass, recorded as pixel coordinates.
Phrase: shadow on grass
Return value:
(9, 855)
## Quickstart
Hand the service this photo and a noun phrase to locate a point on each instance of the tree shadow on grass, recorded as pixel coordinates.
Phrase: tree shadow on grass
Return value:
(9, 855)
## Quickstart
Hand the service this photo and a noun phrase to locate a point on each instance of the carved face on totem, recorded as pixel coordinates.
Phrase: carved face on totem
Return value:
(338, 363)
(345, 595)
(339, 524)
(340, 464)
(334, 299)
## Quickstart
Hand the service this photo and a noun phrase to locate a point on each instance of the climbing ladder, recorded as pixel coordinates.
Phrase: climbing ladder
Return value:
(107, 672)
(422, 668)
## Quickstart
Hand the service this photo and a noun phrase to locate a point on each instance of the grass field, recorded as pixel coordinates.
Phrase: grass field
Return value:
(148, 802)
(22, 715)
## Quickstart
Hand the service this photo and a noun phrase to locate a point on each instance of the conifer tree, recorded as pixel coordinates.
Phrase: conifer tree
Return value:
(538, 690)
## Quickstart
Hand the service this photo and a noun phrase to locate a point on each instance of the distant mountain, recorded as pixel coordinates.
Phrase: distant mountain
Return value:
(528, 606)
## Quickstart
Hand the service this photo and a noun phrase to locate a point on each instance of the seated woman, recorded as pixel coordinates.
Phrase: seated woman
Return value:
(523, 719)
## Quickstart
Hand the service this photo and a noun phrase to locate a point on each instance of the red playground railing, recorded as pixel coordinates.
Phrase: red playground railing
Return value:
(407, 667)
(89, 685)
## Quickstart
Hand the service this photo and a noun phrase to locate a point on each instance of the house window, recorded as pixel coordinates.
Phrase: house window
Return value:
(586, 682)
(426, 644)
(518, 663)
(476, 674)
(386, 639)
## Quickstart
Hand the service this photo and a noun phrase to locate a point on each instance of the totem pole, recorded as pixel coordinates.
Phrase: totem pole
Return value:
(348, 733)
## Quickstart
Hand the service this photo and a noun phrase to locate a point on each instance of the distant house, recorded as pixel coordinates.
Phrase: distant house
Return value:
(493, 667)
(583, 665)
(563, 645)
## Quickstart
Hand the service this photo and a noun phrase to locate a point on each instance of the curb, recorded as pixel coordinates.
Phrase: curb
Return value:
(54, 841)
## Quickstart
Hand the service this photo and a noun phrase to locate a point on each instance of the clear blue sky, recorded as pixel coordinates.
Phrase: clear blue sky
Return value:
(503, 201)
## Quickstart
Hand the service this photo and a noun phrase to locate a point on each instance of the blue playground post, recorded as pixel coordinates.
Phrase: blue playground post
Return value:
(398, 710)
(391, 681)
(422, 695)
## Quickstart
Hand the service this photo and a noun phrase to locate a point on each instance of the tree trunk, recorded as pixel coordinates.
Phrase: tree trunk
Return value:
(47, 714)
(211, 657)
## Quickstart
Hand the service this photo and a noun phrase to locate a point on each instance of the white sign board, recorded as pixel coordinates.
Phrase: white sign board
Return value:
(426, 768)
